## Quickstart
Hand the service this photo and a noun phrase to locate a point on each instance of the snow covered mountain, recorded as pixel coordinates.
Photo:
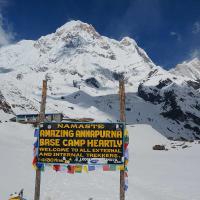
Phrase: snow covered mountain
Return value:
(189, 69)
(83, 69)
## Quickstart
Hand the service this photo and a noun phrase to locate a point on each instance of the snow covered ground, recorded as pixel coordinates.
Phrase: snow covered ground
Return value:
(153, 175)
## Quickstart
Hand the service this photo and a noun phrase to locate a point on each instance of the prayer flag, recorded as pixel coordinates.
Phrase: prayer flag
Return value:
(126, 139)
(56, 167)
(78, 168)
(126, 162)
(91, 167)
(112, 167)
(120, 167)
(125, 187)
(36, 133)
(126, 132)
(71, 169)
(85, 168)
(106, 168)
(36, 144)
(40, 166)
(126, 154)
(34, 161)
(125, 146)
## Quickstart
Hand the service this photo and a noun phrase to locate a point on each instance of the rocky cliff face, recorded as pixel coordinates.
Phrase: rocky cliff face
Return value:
(4, 105)
(180, 103)
(83, 70)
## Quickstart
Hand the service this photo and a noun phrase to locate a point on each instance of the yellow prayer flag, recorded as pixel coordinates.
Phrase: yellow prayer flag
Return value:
(34, 167)
(85, 168)
(120, 167)
(126, 132)
(78, 168)
(126, 162)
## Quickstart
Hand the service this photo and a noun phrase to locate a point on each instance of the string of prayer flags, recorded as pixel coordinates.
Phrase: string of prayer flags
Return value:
(35, 150)
(126, 157)
(71, 169)
(35, 147)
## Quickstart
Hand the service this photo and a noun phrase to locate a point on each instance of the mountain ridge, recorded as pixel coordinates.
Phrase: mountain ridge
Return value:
(189, 68)
(83, 70)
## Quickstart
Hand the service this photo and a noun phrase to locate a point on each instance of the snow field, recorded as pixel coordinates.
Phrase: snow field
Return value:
(153, 175)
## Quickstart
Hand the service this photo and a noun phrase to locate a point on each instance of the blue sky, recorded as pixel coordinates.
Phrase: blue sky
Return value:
(168, 30)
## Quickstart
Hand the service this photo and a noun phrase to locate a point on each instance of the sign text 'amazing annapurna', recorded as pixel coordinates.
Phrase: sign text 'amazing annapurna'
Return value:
(84, 143)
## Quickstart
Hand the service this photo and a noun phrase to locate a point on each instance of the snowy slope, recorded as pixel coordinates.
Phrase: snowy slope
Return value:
(189, 69)
(83, 69)
(153, 175)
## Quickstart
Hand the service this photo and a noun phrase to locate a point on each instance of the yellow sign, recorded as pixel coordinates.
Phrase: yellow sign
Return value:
(83, 143)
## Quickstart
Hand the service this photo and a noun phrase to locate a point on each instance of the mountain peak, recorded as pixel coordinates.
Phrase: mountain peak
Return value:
(78, 26)
(72, 34)
(73, 23)
(193, 61)
(127, 41)
(189, 68)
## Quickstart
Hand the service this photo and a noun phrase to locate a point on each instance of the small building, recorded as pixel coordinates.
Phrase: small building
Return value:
(66, 119)
(32, 118)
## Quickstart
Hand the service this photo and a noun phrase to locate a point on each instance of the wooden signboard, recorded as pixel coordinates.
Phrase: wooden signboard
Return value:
(84, 143)
(81, 143)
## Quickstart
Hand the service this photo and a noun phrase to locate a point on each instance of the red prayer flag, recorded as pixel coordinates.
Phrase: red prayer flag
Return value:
(71, 169)
(106, 168)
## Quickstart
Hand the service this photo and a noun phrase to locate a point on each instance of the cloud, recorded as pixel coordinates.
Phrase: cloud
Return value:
(6, 33)
(196, 28)
(195, 53)
(177, 35)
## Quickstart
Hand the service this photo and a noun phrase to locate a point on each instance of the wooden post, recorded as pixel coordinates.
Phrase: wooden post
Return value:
(122, 119)
(40, 119)
(43, 102)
